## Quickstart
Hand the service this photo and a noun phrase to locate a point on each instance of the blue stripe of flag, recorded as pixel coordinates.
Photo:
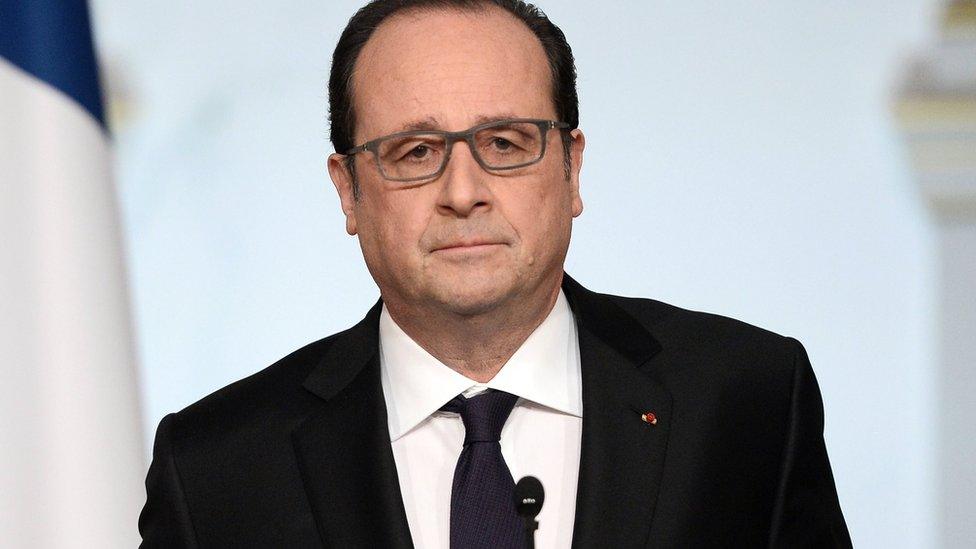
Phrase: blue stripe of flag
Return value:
(51, 39)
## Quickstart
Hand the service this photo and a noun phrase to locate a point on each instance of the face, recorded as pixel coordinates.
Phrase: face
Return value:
(469, 241)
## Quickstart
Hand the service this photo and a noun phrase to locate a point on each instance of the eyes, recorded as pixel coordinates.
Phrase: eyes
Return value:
(424, 151)
(501, 144)
(419, 152)
(504, 145)
(423, 148)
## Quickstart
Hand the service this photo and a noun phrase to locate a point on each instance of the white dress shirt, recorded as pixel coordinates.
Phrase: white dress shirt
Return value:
(541, 437)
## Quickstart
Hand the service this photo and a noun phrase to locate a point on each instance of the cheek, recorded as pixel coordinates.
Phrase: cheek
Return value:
(393, 223)
(542, 218)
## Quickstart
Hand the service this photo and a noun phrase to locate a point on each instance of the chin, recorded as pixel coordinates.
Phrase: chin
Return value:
(476, 295)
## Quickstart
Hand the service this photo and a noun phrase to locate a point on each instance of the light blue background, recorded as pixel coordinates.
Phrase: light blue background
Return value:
(741, 159)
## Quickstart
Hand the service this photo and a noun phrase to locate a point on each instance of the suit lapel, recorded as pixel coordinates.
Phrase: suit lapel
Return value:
(621, 455)
(344, 449)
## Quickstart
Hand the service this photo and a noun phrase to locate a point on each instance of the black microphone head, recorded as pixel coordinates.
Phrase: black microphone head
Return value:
(529, 496)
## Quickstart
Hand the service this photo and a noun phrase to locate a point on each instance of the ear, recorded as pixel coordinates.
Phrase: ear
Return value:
(342, 180)
(576, 146)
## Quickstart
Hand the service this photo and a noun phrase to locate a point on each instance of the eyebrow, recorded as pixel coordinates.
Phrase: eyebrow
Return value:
(483, 119)
(431, 123)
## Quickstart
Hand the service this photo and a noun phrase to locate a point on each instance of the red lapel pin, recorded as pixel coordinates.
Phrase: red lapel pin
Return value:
(649, 417)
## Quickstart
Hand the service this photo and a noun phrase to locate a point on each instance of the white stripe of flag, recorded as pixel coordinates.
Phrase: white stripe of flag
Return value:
(71, 459)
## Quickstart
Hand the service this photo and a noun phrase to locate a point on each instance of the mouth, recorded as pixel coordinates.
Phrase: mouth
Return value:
(468, 246)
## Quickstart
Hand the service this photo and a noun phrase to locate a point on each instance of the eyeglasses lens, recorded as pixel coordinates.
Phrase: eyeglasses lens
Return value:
(422, 155)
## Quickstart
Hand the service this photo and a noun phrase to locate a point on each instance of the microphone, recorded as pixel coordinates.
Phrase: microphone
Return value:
(529, 497)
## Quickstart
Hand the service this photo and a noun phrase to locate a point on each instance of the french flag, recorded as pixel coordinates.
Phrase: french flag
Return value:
(71, 457)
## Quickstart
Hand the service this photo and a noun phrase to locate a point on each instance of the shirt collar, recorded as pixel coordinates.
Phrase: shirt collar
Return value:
(545, 370)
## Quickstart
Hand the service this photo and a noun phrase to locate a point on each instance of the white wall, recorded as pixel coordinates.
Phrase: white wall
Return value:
(740, 159)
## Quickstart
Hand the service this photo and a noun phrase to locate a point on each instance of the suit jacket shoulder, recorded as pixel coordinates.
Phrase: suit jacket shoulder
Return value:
(702, 332)
(224, 470)
(701, 351)
(745, 462)
(264, 397)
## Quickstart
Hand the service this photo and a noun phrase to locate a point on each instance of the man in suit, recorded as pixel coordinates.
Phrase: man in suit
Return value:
(458, 166)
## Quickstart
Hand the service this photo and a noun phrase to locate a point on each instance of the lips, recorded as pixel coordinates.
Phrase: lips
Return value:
(467, 244)
(474, 236)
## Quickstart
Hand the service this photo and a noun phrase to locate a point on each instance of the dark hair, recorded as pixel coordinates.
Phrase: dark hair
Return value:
(361, 26)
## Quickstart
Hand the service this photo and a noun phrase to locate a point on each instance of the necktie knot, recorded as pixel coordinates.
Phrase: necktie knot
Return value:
(483, 415)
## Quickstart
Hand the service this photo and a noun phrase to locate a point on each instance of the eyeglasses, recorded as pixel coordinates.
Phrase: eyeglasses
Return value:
(423, 154)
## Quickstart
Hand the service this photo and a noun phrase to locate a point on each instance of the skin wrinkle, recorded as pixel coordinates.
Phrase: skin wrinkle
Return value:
(470, 308)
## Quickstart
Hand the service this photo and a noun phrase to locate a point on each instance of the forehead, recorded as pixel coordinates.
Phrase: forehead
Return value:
(451, 67)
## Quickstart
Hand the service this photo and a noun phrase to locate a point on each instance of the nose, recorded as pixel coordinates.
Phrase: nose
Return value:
(464, 190)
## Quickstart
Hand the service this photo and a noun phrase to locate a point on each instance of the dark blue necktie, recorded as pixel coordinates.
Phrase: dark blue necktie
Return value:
(482, 509)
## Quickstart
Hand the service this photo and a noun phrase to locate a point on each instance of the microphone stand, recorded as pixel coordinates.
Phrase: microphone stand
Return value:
(531, 525)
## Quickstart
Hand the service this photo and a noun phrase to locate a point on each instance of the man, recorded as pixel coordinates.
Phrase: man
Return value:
(458, 165)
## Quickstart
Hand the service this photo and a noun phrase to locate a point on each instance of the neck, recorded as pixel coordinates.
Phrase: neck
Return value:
(475, 346)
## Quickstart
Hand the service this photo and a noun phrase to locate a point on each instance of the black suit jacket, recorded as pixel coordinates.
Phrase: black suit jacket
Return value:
(298, 455)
